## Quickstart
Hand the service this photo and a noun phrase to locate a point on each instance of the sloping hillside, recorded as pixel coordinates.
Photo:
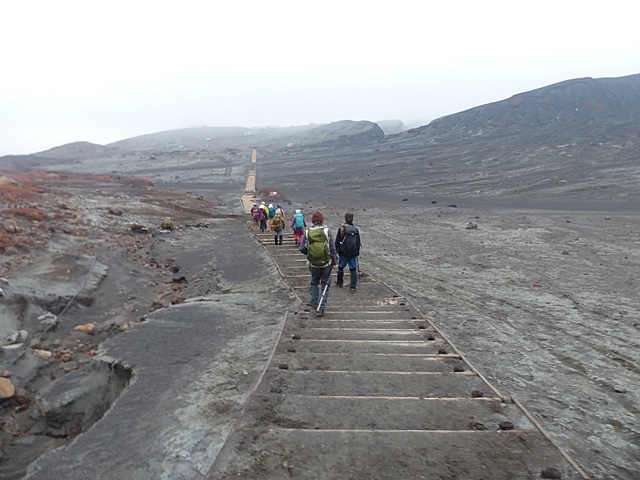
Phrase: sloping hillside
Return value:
(584, 109)
(577, 141)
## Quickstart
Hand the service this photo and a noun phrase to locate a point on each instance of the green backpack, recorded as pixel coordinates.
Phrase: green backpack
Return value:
(318, 252)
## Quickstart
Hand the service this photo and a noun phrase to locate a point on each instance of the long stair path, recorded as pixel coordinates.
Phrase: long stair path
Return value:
(374, 390)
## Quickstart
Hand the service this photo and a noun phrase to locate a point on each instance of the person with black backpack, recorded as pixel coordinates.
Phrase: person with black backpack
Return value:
(318, 244)
(348, 248)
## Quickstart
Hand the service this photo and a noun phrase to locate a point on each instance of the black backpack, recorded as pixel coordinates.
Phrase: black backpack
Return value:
(350, 244)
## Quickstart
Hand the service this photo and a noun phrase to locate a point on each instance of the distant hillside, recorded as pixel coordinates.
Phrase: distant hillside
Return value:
(192, 137)
(578, 140)
(68, 153)
(587, 108)
(74, 151)
(345, 132)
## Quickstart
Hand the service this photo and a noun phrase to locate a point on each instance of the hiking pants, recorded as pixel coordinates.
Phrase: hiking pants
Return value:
(319, 280)
(353, 269)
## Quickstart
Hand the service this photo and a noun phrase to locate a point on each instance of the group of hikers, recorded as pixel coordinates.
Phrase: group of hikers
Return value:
(325, 251)
(275, 217)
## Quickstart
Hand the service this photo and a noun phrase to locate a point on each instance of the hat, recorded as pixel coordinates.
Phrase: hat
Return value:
(261, 203)
(298, 211)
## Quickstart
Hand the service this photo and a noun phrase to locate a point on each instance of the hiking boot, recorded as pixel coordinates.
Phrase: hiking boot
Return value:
(338, 284)
(312, 305)
(352, 290)
(320, 313)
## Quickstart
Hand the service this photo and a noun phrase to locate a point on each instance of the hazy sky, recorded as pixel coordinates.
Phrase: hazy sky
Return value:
(105, 71)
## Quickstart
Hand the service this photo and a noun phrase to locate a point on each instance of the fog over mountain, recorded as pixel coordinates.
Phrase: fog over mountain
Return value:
(578, 137)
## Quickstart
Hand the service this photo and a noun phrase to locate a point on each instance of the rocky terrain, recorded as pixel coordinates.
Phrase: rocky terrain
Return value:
(515, 221)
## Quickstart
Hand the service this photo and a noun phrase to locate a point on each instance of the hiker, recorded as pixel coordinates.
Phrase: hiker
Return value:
(254, 213)
(318, 244)
(277, 227)
(262, 219)
(298, 225)
(348, 248)
(272, 211)
(265, 209)
(280, 210)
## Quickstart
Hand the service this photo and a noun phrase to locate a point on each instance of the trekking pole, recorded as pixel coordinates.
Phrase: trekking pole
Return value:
(324, 291)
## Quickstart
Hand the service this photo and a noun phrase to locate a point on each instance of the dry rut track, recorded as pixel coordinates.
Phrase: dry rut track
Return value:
(374, 390)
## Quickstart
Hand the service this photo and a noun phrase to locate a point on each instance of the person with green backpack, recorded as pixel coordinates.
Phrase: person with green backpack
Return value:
(318, 244)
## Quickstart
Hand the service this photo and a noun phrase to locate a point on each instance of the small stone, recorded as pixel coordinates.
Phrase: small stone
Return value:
(291, 350)
(506, 425)
(42, 354)
(167, 224)
(551, 472)
(48, 319)
(477, 394)
(442, 351)
(431, 338)
(275, 390)
(5, 373)
(137, 228)
(65, 357)
(431, 314)
(86, 328)
(68, 206)
(283, 366)
(458, 369)
(295, 337)
(114, 211)
(7, 390)
(10, 226)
